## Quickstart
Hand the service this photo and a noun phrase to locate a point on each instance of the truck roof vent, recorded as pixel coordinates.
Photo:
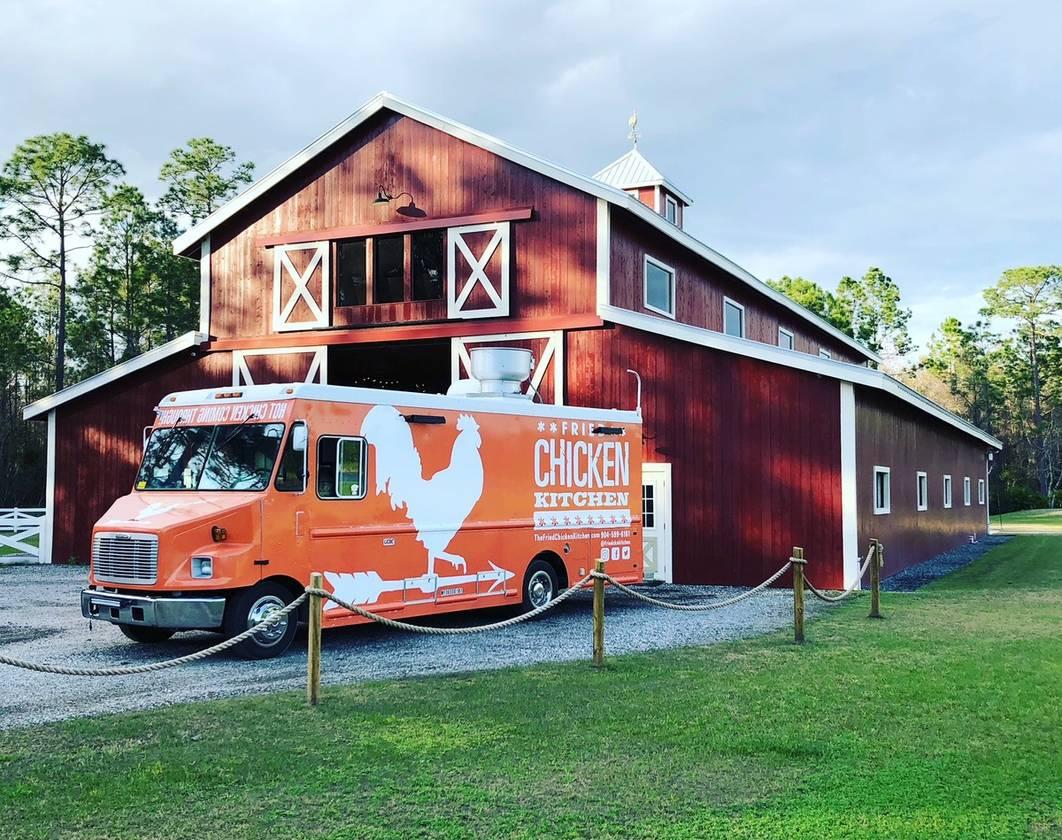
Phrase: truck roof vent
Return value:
(501, 370)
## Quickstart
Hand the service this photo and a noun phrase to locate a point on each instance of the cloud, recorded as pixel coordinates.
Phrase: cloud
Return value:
(816, 138)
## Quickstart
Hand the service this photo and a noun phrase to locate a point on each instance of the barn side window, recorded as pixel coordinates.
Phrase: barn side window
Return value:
(733, 318)
(966, 491)
(671, 209)
(882, 490)
(923, 490)
(785, 339)
(429, 264)
(659, 287)
(947, 491)
(980, 491)
(341, 468)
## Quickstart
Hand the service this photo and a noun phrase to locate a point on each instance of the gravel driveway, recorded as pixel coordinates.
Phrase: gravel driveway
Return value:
(40, 620)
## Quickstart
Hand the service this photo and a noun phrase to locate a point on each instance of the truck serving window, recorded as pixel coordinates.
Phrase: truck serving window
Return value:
(211, 457)
(341, 468)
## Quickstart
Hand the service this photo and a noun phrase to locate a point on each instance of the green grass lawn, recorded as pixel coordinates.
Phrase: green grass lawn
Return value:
(1028, 521)
(942, 721)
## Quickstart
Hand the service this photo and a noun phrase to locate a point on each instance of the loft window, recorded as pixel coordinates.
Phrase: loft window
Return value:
(980, 491)
(882, 490)
(341, 468)
(966, 491)
(350, 273)
(428, 259)
(671, 209)
(388, 270)
(947, 491)
(922, 492)
(733, 318)
(785, 339)
(659, 287)
(825, 354)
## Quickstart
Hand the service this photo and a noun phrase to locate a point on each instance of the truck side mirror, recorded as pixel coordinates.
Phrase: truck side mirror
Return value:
(299, 437)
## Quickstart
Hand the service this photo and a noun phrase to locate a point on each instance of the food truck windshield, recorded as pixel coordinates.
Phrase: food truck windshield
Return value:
(228, 457)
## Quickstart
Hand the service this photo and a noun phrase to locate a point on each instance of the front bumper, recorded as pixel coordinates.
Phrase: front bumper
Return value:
(153, 611)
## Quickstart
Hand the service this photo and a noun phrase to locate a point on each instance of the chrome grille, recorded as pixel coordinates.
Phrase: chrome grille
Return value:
(125, 558)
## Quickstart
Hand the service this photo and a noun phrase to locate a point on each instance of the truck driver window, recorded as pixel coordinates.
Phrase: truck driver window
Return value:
(228, 457)
(340, 468)
(242, 458)
(291, 474)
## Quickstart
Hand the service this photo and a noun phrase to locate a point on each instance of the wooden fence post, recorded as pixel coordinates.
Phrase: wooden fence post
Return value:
(876, 562)
(599, 616)
(798, 562)
(313, 642)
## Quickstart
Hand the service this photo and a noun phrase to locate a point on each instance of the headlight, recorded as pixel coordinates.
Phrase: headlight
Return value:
(202, 567)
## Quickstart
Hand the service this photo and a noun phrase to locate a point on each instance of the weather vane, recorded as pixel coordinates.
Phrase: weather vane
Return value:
(633, 123)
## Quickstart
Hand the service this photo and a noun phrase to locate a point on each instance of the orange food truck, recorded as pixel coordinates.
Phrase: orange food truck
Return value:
(409, 504)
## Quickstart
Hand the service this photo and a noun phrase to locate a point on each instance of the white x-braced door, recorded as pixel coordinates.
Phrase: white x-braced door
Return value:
(477, 271)
(301, 286)
(547, 349)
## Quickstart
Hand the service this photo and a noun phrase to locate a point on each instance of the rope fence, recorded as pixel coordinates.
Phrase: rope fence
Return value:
(317, 595)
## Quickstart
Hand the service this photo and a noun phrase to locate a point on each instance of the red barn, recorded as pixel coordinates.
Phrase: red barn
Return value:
(391, 245)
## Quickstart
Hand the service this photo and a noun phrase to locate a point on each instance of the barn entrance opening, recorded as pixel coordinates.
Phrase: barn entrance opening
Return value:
(422, 366)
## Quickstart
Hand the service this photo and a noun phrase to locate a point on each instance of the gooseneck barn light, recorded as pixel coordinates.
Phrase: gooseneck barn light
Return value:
(383, 196)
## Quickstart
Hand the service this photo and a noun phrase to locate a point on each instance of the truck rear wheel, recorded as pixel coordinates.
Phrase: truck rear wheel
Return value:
(145, 635)
(249, 607)
(540, 585)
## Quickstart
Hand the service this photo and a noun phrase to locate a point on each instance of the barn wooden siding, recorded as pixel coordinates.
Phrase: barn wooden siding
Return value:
(99, 443)
(891, 434)
(553, 262)
(699, 290)
(754, 448)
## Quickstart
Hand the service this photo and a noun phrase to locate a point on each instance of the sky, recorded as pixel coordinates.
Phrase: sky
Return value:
(816, 138)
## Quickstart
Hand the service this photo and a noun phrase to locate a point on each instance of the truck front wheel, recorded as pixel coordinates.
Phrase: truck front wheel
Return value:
(249, 607)
(145, 635)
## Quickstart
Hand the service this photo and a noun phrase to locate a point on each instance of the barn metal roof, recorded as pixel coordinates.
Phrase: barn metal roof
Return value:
(832, 368)
(633, 170)
(181, 344)
(187, 243)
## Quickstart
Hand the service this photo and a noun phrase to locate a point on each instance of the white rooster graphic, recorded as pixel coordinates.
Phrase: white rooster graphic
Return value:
(436, 506)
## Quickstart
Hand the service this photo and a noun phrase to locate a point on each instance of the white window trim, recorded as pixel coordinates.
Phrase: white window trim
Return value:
(670, 202)
(645, 286)
(825, 354)
(741, 308)
(792, 339)
(921, 480)
(980, 491)
(947, 491)
(967, 491)
(887, 507)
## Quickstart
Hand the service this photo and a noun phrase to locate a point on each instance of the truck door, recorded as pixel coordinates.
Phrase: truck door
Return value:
(285, 525)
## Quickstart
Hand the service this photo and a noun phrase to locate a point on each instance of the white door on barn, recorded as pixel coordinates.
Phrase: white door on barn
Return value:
(656, 521)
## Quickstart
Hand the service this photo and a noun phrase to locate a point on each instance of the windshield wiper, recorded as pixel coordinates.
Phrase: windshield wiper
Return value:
(236, 431)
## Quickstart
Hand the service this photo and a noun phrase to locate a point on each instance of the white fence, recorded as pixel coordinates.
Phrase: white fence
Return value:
(20, 534)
